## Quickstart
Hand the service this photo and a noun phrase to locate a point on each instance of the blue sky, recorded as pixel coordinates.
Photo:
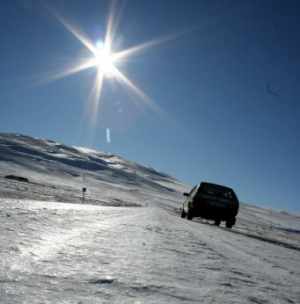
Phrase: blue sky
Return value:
(229, 87)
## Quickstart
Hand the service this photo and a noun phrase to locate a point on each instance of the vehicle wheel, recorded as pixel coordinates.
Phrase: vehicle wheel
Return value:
(183, 214)
(217, 222)
(230, 223)
(189, 215)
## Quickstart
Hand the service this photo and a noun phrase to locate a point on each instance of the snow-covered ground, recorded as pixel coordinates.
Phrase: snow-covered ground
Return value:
(126, 243)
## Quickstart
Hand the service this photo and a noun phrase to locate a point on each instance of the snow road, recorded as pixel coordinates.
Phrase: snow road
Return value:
(72, 253)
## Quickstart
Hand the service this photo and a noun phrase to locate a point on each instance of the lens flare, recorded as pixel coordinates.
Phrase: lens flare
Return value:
(108, 139)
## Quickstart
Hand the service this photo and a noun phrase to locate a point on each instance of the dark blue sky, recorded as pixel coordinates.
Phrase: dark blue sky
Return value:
(230, 87)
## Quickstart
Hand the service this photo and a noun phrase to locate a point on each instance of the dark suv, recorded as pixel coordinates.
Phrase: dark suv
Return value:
(212, 202)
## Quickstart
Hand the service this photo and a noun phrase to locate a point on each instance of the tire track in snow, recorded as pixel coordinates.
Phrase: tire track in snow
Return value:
(249, 264)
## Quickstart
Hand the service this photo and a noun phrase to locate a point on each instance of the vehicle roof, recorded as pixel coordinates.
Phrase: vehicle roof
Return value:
(220, 187)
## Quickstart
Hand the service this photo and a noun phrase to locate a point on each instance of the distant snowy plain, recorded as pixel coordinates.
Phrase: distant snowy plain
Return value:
(126, 243)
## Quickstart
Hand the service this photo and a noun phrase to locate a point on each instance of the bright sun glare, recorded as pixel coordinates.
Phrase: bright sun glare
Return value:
(104, 59)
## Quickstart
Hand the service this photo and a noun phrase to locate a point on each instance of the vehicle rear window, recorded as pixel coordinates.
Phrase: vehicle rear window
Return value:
(216, 191)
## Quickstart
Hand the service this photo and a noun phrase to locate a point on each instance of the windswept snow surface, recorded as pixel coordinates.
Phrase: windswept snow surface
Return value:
(55, 249)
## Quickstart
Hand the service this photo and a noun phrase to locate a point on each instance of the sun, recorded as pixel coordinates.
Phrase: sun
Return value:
(104, 59)
(107, 63)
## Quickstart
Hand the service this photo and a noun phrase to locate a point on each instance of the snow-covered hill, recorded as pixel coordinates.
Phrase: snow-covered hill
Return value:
(126, 243)
(58, 172)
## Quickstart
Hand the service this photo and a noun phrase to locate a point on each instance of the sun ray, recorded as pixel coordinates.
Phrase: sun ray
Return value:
(86, 64)
(95, 96)
(148, 44)
(144, 97)
(110, 26)
(113, 21)
(76, 32)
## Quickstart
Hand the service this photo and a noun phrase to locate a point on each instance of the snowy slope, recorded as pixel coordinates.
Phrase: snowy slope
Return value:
(53, 249)
(53, 168)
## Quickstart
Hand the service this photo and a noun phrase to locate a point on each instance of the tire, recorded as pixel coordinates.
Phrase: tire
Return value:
(189, 215)
(183, 214)
(217, 222)
(230, 223)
